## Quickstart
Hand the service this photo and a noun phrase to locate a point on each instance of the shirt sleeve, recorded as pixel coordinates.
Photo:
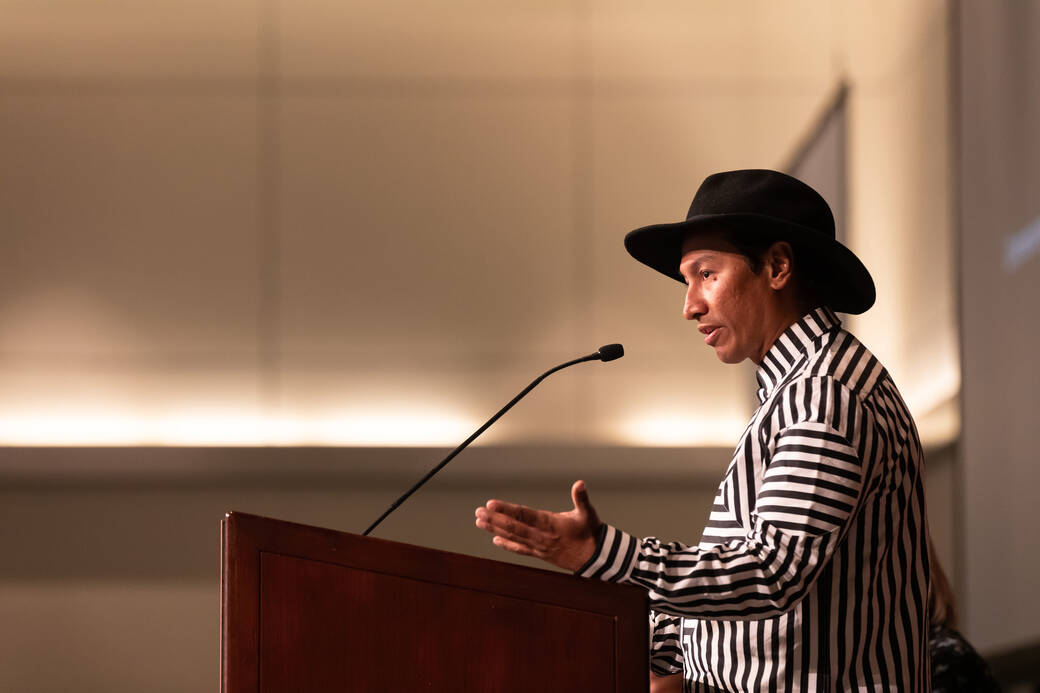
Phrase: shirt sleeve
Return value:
(809, 491)
(665, 648)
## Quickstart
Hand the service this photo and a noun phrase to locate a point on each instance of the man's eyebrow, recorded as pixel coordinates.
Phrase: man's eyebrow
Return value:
(697, 262)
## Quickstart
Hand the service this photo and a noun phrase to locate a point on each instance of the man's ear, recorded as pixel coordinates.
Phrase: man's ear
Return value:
(779, 264)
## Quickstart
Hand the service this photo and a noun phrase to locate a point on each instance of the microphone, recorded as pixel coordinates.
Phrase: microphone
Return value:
(608, 352)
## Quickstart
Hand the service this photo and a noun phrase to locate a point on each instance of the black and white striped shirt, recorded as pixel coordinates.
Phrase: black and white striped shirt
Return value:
(812, 574)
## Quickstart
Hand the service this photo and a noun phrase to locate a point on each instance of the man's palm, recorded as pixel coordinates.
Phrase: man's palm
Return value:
(566, 539)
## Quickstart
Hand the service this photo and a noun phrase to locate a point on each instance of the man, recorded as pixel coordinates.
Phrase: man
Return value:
(812, 573)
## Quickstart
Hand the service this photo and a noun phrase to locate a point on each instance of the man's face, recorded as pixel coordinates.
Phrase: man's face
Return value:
(729, 302)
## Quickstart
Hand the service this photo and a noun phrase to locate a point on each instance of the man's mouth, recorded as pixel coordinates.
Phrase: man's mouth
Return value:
(712, 332)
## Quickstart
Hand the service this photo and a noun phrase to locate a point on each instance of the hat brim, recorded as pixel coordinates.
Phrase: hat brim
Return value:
(846, 283)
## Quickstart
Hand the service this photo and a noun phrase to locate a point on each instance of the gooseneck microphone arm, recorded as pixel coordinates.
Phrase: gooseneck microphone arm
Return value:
(605, 353)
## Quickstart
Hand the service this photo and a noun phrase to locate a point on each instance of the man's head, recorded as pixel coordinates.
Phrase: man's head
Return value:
(742, 295)
(767, 220)
(759, 207)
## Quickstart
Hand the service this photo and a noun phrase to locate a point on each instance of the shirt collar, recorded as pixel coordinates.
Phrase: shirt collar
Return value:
(789, 347)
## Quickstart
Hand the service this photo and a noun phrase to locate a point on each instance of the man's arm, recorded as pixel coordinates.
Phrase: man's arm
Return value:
(808, 493)
(666, 656)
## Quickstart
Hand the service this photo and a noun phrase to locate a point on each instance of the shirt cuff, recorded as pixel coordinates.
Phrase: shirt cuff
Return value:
(615, 556)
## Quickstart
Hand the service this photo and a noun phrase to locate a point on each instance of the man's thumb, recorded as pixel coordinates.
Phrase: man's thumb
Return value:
(580, 497)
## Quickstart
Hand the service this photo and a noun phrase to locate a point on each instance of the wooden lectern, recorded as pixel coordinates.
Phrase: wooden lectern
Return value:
(310, 609)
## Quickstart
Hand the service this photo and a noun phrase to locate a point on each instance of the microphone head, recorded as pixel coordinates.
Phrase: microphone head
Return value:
(609, 352)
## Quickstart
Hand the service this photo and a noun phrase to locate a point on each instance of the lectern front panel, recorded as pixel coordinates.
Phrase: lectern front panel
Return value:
(322, 625)
(311, 609)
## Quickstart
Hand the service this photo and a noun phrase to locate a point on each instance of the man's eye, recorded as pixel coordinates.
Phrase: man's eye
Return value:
(706, 273)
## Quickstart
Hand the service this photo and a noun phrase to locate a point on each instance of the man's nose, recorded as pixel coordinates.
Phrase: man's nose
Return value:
(693, 307)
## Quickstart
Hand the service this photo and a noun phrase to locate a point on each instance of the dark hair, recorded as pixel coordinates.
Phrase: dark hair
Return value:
(753, 247)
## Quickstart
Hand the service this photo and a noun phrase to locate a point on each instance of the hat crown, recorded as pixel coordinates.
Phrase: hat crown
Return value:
(764, 193)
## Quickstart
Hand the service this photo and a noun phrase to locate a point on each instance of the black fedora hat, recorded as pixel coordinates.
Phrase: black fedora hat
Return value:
(770, 205)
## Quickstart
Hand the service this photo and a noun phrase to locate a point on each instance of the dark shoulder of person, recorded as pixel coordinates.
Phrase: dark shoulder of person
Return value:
(956, 666)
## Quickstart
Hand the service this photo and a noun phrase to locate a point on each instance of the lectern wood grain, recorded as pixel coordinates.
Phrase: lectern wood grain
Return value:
(309, 609)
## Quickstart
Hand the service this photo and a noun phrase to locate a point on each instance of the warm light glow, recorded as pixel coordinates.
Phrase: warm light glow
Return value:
(932, 387)
(684, 430)
(216, 427)
(226, 428)
(71, 428)
(933, 399)
(414, 428)
(406, 428)
(941, 425)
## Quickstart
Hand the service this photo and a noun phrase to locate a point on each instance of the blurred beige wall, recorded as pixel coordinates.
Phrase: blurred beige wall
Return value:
(260, 222)
(369, 224)
(900, 198)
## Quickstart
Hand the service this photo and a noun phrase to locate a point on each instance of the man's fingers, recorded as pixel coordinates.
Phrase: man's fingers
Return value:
(526, 515)
(532, 517)
(499, 506)
(514, 542)
(516, 547)
(520, 514)
(508, 527)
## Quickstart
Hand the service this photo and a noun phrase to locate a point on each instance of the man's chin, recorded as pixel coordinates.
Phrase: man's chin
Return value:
(727, 357)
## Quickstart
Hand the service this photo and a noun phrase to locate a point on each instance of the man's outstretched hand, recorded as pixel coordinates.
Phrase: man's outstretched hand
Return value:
(567, 540)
